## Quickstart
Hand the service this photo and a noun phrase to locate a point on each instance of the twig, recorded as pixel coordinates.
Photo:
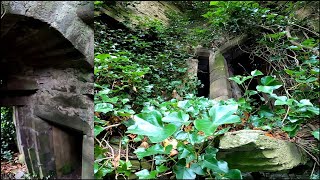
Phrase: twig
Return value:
(311, 127)
(152, 164)
(305, 35)
(314, 158)
(314, 166)
(127, 152)
(298, 44)
(244, 69)
(3, 12)
(306, 29)
(114, 125)
(285, 116)
(164, 174)
(111, 149)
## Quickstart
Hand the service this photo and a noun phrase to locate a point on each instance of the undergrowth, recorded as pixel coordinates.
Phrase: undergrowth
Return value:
(148, 122)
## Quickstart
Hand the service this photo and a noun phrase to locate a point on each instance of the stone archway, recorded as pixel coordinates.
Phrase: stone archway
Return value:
(46, 73)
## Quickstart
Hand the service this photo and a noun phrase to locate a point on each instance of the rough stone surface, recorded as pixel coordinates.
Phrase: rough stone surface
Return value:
(141, 9)
(252, 151)
(220, 88)
(62, 16)
(46, 73)
(192, 67)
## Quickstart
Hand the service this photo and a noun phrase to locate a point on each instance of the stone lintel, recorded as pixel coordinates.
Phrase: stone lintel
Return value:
(54, 115)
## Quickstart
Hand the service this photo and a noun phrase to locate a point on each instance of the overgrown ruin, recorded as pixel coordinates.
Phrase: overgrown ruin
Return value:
(46, 73)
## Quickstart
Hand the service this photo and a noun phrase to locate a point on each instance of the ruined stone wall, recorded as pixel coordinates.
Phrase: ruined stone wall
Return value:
(46, 72)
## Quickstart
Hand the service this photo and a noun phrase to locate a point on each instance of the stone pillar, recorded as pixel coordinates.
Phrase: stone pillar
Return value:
(87, 157)
(192, 67)
(219, 84)
(35, 141)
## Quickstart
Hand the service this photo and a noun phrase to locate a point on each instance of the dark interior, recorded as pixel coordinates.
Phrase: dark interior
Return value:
(240, 63)
(204, 76)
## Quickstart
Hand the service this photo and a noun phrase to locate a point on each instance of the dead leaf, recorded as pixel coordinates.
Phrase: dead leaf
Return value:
(116, 160)
(144, 145)
(187, 128)
(173, 152)
(132, 136)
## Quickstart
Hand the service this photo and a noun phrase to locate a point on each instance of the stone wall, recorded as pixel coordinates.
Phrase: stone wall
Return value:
(46, 72)
(133, 10)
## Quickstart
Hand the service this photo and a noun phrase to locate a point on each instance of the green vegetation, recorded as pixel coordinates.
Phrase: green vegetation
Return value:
(8, 134)
(145, 96)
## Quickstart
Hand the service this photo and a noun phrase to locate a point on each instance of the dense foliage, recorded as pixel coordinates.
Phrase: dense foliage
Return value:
(8, 132)
(143, 89)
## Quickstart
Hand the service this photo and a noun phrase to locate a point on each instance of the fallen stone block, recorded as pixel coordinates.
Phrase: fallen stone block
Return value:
(252, 151)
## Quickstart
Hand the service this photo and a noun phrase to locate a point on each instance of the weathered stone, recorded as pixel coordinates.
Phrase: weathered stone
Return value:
(20, 83)
(192, 67)
(60, 15)
(218, 88)
(252, 151)
(218, 73)
(14, 101)
(142, 9)
(87, 157)
(64, 117)
(49, 81)
(233, 42)
(85, 13)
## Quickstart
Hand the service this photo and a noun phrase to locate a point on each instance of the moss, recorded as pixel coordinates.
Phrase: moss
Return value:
(66, 169)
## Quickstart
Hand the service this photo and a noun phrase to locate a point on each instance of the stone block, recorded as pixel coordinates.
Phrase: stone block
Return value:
(64, 117)
(252, 151)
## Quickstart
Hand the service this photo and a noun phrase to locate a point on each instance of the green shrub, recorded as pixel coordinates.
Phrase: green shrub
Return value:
(8, 135)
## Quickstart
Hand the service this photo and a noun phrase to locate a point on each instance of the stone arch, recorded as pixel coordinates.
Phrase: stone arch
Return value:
(46, 73)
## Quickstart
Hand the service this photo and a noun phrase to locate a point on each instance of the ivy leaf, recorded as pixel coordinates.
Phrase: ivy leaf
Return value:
(291, 129)
(197, 169)
(187, 152)
(304, 102)
(214, 3)
(194, 138)
(182, 172)
(151, 126)
(177, 118)
(240, 79)
(283, 100)
(316, 134)
(156, 149)
(234, 174)
(97, 130)
(103, 107)
(215, 165)
(125, 100)
(269, 81)
(256, 73)
(161, 168)
(267, 89)
(222, 114)
(145, 174)
(220, 167)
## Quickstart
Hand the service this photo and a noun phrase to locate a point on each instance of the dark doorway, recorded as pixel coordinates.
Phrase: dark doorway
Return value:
(68, 158)
(204, 76)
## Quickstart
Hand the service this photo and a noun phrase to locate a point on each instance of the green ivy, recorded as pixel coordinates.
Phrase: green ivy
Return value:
(8, 134)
